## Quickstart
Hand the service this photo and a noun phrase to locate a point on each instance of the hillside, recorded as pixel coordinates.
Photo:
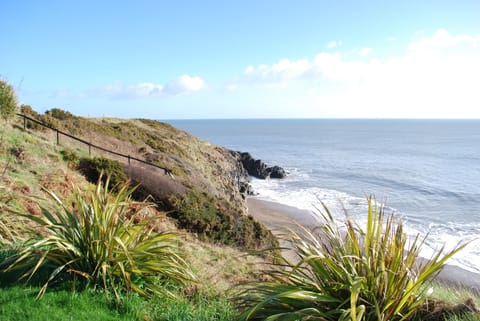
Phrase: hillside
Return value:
(199, 184)
(195, 163)
(30, 163)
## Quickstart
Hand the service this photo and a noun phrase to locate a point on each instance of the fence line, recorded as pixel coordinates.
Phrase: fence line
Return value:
(90, 145)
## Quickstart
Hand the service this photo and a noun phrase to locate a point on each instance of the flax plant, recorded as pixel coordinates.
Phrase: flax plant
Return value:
(346, 273)
(94, 239)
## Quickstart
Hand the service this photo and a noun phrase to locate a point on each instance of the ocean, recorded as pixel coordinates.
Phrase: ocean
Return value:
(425, 171)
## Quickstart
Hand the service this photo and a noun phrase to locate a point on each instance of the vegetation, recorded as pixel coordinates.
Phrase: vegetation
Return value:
(87, 305)
(200, 213)
(8, 100)
(29, 163)
(59, 114)
(93, 168)
(43, 164)
(96, 239)
(358, 274)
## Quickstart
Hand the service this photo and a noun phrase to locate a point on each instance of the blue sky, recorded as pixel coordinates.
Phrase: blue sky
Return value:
(245, 59)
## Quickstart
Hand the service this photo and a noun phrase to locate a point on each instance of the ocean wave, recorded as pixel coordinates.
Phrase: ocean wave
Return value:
(440, 235)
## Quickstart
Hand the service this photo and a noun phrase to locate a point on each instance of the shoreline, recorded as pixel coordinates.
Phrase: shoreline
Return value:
(277, 217)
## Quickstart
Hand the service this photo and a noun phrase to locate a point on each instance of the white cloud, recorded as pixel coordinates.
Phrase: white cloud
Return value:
(334, 44)
(365, 52)
(442, 39)
(231, 87)
(184, 84)
(279, 72)
(436, 76)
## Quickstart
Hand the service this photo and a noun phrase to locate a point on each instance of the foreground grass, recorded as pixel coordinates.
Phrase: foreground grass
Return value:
(456, 298)
(454, 295)
(19, 303)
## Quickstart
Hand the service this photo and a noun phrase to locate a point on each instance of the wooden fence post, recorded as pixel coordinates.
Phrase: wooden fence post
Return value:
(24, 123)
(58, 138)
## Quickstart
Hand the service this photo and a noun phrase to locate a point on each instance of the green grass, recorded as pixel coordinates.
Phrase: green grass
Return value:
(452, 295)
(463, 318)
(199, 308)
(19, 303)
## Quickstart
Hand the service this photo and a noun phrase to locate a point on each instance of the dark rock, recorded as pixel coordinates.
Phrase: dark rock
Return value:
(241, 176)
(276, 172)
(245, 188)
(257, 168)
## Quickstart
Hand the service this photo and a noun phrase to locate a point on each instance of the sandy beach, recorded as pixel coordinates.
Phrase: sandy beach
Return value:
(277, 217)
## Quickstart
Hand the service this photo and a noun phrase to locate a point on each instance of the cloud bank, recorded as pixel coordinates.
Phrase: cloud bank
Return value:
(182, 85)
(435, 76)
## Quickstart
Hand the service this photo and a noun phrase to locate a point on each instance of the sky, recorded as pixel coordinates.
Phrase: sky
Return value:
(244, 59)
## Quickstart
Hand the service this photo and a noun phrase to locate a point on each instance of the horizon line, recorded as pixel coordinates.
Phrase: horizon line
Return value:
(325, 118)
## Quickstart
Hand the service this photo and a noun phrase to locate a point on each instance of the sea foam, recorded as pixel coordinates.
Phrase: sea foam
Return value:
(440, 236)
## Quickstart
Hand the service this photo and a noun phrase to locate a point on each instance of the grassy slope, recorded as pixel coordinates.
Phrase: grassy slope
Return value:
(205, 175)
(29, 163)
(194, 162)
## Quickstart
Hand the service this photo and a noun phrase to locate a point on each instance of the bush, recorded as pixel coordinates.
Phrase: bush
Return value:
(71, 157)
(8, 100)
(27, 110)
(197, 213)
(92, 169)
(200, 213)
(354, 274)
(59, 114)
(95, 238)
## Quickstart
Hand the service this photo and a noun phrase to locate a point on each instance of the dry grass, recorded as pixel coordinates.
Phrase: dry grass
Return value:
(219, 268)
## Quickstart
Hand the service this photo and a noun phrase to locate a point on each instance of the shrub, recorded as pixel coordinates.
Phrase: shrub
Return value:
(28, 111)
(197, 213)
(92, 169)
(200, 213)
(355, 274)
(94, 239)
(71, 157)
(59, 114)
(8, 100)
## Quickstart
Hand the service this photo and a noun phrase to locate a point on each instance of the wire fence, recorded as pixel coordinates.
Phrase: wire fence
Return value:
(90, 146)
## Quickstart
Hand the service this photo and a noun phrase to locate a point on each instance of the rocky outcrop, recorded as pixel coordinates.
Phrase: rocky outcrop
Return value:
(257, 168)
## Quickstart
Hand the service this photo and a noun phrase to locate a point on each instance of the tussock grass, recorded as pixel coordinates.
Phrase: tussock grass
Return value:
(356, 274)
(96, 238)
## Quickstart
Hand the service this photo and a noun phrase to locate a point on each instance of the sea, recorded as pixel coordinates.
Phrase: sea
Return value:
(426, 172)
